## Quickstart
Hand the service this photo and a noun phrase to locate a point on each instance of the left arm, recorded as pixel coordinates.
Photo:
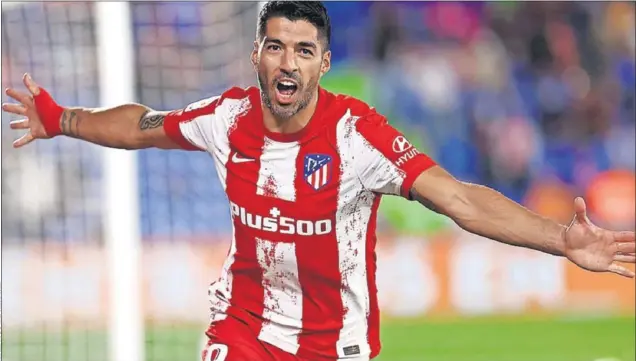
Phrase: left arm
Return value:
(386, 163)
(488, 213)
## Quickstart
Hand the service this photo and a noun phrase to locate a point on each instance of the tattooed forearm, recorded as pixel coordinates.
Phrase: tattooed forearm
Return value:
(70, 123)
(126, 126)
(151, 120)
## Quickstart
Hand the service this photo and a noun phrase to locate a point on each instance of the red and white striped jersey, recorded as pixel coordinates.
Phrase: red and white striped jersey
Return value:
(301, 266)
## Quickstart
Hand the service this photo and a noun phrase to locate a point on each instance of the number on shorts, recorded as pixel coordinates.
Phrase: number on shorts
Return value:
(216, 352)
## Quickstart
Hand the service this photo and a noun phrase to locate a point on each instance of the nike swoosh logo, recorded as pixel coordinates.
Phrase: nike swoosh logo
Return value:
(237, 159)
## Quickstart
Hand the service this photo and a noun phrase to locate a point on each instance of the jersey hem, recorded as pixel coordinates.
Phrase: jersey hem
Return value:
(277, 342)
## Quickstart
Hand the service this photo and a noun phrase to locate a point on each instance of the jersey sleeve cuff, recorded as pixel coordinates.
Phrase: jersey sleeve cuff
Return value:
(171, 126)
(412, 175)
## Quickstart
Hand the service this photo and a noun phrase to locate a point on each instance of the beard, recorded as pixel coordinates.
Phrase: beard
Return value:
(286, 111)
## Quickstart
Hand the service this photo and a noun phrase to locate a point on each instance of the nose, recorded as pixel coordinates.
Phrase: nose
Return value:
(288, 62)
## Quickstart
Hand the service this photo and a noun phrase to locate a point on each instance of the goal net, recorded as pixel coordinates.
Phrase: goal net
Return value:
(56, 294)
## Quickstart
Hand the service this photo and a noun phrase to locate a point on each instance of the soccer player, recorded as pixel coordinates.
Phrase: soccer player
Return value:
(304, 170)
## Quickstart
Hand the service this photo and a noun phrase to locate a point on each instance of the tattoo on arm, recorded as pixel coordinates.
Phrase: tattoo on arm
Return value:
(70, 123)
(151, 120)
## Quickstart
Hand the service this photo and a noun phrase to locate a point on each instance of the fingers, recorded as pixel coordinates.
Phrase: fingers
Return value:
(620, 270)
(580, 210)
(14, 108)
(19, 124)
(24, 140)
(22, 97)
(625, 236)
(30, 84)
(626, 258)
(626, 247)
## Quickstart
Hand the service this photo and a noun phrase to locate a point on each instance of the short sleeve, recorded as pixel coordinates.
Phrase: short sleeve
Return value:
(385, 160)
(192, 127)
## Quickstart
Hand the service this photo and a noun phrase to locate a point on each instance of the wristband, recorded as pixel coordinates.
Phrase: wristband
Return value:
(50, 113)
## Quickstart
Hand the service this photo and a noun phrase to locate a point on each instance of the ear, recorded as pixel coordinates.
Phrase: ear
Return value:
(254, 55)
(326, 63)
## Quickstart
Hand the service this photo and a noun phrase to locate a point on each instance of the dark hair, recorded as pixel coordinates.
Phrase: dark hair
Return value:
(313, 12)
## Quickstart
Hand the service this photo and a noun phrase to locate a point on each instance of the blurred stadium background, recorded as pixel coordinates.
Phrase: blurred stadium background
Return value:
(536, 99)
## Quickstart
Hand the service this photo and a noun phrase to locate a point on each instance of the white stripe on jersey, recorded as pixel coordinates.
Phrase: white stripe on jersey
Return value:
(200, 130)
(379, 174)
(214, 130)
(352, 219)
(277, 174)
(283, 303)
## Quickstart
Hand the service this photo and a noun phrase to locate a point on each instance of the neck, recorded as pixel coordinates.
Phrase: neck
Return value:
(290, 125)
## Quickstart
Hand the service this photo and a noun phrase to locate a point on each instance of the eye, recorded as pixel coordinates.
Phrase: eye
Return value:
(273, 47)
(306, 52)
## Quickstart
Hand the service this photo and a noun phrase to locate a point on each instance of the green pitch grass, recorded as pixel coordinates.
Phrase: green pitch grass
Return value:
(479, 339)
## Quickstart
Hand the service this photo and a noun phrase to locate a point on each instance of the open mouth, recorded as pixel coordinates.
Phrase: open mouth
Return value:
(286, 89)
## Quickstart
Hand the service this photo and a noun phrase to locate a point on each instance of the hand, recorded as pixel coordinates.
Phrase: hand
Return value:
(596, 249)
(26, 108)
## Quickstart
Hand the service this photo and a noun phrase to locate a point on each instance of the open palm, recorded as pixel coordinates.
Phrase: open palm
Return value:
(26, 108)
(597, 249)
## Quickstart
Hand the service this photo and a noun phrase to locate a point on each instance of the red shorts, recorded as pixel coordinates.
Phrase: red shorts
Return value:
(232, 340)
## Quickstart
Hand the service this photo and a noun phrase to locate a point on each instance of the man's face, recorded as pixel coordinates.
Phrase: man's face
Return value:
(289, 62)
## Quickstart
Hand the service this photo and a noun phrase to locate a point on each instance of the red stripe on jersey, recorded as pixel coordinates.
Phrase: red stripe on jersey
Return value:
(393, 145)
(373, 321)
(318, 262)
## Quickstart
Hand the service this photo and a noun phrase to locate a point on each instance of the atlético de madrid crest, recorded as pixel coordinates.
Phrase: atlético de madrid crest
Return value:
(317, 170)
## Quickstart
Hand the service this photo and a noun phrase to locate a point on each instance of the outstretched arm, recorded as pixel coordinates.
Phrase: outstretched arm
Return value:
(387, 163)
(486, 212)
(129, 126)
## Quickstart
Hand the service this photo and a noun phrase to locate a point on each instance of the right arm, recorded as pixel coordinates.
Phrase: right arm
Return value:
(128, 126)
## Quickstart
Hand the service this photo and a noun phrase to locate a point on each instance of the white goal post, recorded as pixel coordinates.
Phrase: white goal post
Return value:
(122, 236)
